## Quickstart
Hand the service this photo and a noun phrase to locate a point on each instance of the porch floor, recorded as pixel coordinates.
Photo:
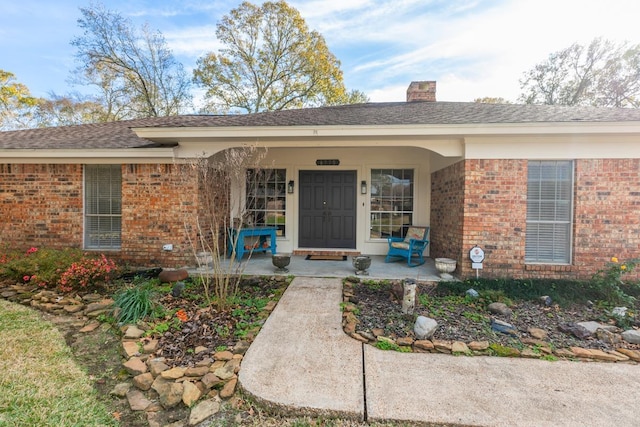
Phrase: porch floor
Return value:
(260, 264)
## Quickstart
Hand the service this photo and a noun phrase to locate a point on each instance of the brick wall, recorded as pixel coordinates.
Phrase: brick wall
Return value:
(606, 212)
(158, 201)
(447, 211)
(41, 205)
(495, 209)
(606, 216)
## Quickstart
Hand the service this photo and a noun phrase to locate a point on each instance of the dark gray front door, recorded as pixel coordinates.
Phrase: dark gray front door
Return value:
(327, 209)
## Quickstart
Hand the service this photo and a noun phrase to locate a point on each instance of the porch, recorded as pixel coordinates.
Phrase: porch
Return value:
(260, 264)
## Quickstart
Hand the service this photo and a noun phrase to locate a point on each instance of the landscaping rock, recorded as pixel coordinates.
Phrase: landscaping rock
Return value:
(210, 380)
(130, 348)
(168, 276)
(143, 381)
(499, 308)
(503, 327)
(198, 371)
(241, 347)
(226, 372)
(478, 345)
(173, 373)
(190, 394)
(120, 390)
(591, 326)
(169, 392)
(137, 400)
(135, 366)
(133, 332)
(424, 327)
(574, 329)
(423, 345)
(229, 388)
(157, 366)
(458, 347)
(472, 293)
(203, 410)
(537, 333)
(631, 336)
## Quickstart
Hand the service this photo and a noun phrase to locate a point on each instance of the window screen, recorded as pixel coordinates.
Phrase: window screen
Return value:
(549, 211)
(391, 202)
(103, 206)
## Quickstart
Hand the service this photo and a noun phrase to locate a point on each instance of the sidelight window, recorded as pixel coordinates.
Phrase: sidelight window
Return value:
(266, 198)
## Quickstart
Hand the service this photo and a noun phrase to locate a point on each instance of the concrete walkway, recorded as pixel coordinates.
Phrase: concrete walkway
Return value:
(301, 361)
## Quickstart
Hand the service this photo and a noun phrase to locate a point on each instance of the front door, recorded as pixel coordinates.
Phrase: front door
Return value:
(327, 209)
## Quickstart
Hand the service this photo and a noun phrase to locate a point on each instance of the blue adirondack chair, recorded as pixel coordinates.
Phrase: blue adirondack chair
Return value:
(413, 244)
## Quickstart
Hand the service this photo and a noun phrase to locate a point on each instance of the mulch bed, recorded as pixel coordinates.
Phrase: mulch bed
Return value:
(379, 308)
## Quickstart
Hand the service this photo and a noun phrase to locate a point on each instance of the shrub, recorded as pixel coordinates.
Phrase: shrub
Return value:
(608, 283)
(135, 303)
(87, 271)
(69, 269)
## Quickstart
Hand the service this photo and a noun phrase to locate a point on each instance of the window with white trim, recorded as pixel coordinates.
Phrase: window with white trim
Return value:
(102, 206)
(391, 202)
(266, 198)
(549, 212)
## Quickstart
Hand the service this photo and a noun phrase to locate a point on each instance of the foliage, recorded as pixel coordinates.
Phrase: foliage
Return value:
(502, 351)
(601, 74)
(16, 102)
(82, 273)
(270, 60)
(134, 71)
(389, 345)
(608, 283)
(135, 302)
(491, 100)
(207, 229)
(68, 269)
(72, 109)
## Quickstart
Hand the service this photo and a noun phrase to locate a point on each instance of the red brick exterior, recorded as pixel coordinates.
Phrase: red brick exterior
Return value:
(493, 211)
(42, 206)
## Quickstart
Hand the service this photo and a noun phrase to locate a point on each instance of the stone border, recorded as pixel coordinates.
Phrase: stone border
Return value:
(153, 386)
(534, 348)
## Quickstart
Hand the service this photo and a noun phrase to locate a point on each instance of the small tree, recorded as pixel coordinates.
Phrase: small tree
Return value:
(220, 179)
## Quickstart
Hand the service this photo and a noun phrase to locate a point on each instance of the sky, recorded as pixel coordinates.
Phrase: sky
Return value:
(471, 48)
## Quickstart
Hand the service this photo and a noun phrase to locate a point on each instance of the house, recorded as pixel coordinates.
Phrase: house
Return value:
(545, 191)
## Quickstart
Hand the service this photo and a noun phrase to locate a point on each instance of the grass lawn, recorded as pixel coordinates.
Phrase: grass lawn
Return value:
(41, 383)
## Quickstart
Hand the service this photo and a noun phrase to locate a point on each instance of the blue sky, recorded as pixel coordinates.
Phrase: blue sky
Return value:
(472, 48)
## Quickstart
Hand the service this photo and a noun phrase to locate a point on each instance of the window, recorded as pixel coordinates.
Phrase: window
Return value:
(266, 197)
(391, 202)
(102, 206)
(549, 212)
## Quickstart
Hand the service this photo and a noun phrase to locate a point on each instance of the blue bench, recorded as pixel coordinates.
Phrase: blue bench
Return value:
(237, 240)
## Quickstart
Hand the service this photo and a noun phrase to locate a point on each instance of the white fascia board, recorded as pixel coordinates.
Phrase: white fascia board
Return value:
(106, 156)
(194, 133)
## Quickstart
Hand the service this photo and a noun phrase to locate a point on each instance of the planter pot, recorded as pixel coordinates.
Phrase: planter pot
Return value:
(361, 263)
(281, 261)
(446, 266)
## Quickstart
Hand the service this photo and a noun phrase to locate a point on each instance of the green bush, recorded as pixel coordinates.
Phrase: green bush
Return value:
(135, 302)
(606, 285)
(68, 269)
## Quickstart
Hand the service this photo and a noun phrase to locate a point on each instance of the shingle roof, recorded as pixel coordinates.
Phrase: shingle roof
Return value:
(118, 135)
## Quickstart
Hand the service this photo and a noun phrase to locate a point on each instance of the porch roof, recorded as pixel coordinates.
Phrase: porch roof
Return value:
(139, 133)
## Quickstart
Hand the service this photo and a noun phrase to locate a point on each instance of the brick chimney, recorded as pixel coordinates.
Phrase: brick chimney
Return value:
(422, 91)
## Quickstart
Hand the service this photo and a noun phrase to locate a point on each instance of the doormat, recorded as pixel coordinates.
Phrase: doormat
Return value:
(326, 257)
